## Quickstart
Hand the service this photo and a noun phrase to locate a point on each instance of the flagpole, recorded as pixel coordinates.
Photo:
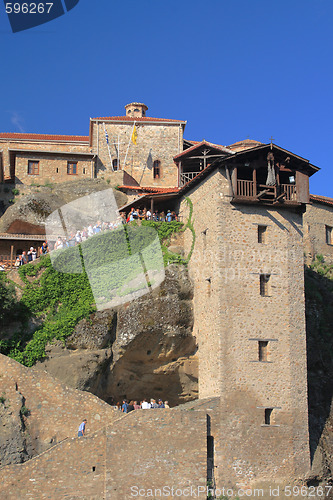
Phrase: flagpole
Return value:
(107, 143)
(129, 142)
(118, 154)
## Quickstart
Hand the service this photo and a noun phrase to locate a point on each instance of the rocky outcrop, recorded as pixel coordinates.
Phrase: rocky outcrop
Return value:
(35, 204)
(144, 348)
(319, 326)
(37, 411)
(14, 441)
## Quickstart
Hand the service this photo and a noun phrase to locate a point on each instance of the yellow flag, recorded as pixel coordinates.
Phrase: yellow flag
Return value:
(134, 135)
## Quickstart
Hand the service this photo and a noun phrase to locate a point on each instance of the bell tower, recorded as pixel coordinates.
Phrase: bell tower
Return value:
(136, 109)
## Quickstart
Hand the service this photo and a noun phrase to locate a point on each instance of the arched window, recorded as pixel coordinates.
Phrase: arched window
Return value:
(157, 169)
(115, 164)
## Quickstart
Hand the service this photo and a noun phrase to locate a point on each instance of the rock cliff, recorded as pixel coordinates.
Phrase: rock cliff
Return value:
(319, 325)
(144, 348)
(35, 204)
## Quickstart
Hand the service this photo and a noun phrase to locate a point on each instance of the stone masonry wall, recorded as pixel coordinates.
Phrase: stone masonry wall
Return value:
(155, 449)
(6, 145)
(207, 301)
(231, 317)
(74, 468)
(315, 219)
(124, 460)
(55, 411)
(51, 168)
(154, 142)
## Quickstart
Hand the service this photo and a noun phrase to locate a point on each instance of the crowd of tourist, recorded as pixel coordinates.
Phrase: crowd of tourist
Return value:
(129, 406)
(75, 238)
(146, 214)
(29, 256)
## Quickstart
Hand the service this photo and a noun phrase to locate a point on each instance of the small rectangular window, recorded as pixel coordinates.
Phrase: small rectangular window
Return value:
(268, 415)
(84, 170)
(33, 167)
(329, 235)
(264, 285)
(263, 350)
(157, 169)
(71, 168)
(262, 234)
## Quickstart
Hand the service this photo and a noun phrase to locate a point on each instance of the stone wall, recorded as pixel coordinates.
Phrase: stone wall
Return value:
(39, 145)
(119, 461)
(173, 455)
(315, 220)
(52, 168)
(231, 317)
(55, 411)
(154, 142)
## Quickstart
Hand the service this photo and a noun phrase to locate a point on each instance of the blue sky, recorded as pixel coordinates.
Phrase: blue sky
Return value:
(233, 69)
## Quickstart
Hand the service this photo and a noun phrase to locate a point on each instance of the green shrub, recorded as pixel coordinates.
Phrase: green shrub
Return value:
(65, 297)
(15, 191)
(9, 306)
(25, 412)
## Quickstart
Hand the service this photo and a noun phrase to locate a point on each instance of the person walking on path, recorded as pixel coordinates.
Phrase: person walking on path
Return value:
(82, 428)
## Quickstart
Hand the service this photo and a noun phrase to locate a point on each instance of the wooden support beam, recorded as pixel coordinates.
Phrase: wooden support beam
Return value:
(11, 255)
(280, 197)
(254, 178)
(262, 193)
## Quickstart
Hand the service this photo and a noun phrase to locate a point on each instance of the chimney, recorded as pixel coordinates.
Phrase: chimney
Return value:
(136, 109)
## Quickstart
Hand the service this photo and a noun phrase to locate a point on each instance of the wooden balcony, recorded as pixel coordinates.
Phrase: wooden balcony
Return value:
(186, 177)
(253, 192)
(245, 189)
(290, 190)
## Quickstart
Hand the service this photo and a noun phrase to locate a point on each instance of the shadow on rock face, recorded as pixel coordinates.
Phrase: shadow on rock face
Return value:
(142, 349)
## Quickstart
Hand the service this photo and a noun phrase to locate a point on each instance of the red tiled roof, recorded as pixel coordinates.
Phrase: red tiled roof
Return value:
(137, 119)
(321, 199)
(245, 144)
(43, 137)
(223, 149)
(151, 189)
(195, 143)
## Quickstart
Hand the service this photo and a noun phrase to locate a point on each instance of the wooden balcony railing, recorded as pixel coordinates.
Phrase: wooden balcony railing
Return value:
(245, 188)
(186, 177)
(290, 190)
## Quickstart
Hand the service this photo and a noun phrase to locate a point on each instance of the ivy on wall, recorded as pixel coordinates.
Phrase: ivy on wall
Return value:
(61, 299)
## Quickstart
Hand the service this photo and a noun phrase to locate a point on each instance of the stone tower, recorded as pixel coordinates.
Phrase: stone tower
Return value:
(147, 161)
(247, 269)
(136, 109)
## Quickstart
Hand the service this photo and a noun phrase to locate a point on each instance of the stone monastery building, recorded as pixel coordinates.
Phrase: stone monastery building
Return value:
(253, 220)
